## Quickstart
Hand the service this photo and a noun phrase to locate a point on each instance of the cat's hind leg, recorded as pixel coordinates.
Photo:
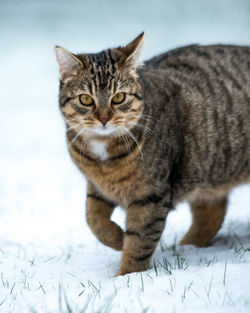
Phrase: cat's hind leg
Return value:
(98, 213)
(207, 218)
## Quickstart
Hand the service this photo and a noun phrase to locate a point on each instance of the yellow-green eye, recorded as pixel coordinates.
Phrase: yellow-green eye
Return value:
(118, 98)
(86, 99)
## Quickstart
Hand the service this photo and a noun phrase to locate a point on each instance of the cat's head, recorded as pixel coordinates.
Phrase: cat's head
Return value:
(99, 93)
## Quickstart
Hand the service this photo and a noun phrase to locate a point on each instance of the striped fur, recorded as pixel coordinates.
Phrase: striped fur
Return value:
(183, 132)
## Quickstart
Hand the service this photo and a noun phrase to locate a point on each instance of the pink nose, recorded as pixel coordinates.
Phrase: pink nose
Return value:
(103, 120)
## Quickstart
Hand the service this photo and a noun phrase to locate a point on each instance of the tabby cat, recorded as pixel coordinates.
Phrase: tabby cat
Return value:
(149, 136)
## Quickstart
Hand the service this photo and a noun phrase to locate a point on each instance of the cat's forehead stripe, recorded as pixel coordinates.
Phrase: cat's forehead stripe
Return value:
(102, 69)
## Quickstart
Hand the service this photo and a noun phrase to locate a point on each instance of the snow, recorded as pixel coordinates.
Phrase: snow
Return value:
(48, 256)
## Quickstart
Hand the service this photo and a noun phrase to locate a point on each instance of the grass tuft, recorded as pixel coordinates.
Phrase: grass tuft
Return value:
(178, 264)
(225, 271)
(142, 283)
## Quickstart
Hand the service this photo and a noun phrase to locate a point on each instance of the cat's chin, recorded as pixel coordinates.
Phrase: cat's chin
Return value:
(104, 131)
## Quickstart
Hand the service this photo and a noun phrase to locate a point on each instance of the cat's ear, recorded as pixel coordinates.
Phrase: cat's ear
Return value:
(67, 61)
(131, 50)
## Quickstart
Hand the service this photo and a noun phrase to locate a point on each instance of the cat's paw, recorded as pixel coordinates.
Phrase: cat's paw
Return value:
(120, 273)
(116, 237)
(195, 241)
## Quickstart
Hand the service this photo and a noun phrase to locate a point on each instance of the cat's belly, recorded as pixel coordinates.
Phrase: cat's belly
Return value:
(211, 193)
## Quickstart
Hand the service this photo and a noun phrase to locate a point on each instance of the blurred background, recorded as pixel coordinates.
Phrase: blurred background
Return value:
(41, 192)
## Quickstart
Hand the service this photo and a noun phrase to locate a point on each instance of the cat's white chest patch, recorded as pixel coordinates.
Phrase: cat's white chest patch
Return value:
(99, 149)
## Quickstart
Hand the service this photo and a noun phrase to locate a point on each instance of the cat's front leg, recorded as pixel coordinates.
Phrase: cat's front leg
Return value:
(98, 213)
(144, 225)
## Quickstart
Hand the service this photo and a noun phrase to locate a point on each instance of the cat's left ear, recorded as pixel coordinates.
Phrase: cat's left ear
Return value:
(67, 61)
(131, 51)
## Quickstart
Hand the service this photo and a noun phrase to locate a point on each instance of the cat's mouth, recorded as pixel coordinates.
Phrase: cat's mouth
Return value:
(104, 130)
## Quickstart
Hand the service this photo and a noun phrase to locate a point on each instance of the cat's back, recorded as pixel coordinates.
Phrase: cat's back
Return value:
(206, 68)
(234, 57)
(206, 75)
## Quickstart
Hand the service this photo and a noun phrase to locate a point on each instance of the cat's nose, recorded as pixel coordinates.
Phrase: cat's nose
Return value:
(103, 120)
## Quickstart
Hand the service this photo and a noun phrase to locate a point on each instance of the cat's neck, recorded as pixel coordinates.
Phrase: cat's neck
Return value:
(103, 148)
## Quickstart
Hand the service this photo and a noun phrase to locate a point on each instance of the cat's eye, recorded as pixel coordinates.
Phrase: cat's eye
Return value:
(86, 99)
(118, 98)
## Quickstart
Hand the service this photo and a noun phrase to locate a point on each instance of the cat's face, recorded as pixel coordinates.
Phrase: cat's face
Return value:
(99, 93)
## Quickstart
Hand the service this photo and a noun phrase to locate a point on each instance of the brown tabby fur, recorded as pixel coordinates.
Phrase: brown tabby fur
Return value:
(187, 137)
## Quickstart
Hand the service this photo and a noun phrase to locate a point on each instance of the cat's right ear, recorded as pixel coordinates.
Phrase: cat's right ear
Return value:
(67, 61)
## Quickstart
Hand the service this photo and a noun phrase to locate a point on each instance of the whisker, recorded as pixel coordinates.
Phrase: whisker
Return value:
(143, 127)
(135, 140)
(127, 144)
(84, 140)
(77, 135)
(73, 127)
(148, 117)
(71, 120)
(142, 117)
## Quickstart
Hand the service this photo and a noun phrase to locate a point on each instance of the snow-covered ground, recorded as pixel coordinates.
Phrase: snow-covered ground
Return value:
(48, 257)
